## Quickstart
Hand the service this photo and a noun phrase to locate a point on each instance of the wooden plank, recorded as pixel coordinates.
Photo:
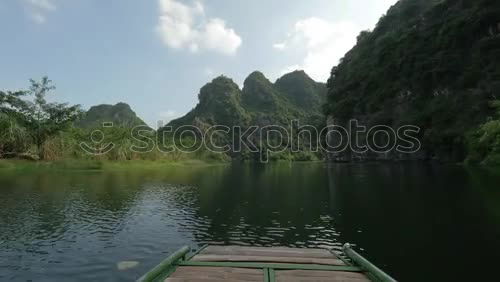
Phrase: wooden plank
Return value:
(203, 280)
(206, 274)
(263, 251)
(318, 276)
(261, 265)
(248, 264)
(262, 258)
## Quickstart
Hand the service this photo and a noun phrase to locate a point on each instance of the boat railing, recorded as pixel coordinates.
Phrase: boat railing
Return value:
(358, 260)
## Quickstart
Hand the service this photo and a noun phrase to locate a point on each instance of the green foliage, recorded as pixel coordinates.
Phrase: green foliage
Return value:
(11, 101)
(434, 64)
(43, 119)
(14, 139)
(295, 96)
(259, 95)
(219, 103)
(304, 93)
(22, 122)
(37, 129)
(121, 115)
(484, 142)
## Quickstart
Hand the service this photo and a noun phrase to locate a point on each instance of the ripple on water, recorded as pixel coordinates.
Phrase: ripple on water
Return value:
(86, 235)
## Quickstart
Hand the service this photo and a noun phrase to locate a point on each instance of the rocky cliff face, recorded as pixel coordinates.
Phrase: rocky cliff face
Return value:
(432, 64)
(260, 103)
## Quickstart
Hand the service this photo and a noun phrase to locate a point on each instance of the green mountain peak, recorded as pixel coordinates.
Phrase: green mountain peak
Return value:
(301, 89)
(121, 115)
(260, 102)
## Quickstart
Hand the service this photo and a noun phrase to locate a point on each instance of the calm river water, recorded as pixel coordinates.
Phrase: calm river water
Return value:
(419, 222)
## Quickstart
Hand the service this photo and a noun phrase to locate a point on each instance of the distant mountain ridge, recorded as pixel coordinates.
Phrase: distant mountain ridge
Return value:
(260, 102)
(293, 97)
(121, 115)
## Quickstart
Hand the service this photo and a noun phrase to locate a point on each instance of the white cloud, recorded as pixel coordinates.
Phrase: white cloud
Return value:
(38, 9)
(216, 36)
(182, 26)
(325, 43)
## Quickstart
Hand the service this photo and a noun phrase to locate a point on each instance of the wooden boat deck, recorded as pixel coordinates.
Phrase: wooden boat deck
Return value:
(233, 263)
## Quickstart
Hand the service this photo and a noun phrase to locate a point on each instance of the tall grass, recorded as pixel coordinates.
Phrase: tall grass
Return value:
(14, 139)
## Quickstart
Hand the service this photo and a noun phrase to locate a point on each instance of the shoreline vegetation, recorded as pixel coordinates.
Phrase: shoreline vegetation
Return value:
(124, 165)
(107, 165)
(50, 136)
(102, 165)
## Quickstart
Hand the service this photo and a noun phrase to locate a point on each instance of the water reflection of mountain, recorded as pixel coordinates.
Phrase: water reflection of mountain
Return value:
(268, 205)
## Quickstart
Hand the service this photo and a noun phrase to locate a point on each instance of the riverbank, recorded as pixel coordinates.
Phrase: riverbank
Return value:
(78, 164)
(103, 164)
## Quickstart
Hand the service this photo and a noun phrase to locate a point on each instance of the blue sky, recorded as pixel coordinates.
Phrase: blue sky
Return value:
(156, 54)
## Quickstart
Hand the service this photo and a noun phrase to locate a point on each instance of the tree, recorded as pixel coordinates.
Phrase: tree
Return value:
(10, 102)
(362, 35)
(44, 119)
(484, 142)
(14, 139)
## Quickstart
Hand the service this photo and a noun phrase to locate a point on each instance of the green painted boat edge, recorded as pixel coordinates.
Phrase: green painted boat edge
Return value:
(266, 275)
(376, 273)
(166, 267)
(342, 258)
(272, 275)
(196, 252)
(275, 266)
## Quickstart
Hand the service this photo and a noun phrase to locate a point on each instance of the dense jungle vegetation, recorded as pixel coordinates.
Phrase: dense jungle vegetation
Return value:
(430, 63)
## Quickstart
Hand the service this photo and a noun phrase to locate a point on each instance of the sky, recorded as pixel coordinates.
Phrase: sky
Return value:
(155, 55)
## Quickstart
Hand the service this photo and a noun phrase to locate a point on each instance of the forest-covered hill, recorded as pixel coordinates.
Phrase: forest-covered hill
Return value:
(294, 96)
(260, 102)
(121, 115)
(430, 63)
